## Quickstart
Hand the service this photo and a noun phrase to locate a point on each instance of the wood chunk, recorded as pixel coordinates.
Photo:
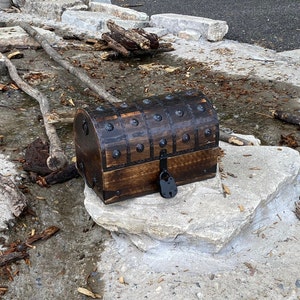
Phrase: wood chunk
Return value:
(152, 37)
(115, 45)
(143, 42)
(9, 258)
(15, 55)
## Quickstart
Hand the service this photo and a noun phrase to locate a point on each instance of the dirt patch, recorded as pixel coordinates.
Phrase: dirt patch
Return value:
(67, 261)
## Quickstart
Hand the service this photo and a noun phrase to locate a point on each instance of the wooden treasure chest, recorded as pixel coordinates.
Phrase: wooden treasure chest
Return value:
(151, 145)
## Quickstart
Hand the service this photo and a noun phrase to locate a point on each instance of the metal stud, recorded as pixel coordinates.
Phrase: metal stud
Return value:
(162, 143)
(207, 132)
(157, 117)
(146, 101)
(124, 105)
(179, 113)
(201, 108)
(100, 108)
(169, 97)
(116, 154)
(139, 148)
(109, 126)
(186, 138)
(134, 122)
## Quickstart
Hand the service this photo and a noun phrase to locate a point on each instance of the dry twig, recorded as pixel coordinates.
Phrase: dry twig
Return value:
(100, 90)
(57, 159)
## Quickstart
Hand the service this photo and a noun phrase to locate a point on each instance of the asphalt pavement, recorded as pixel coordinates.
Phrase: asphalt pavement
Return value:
(273, 24)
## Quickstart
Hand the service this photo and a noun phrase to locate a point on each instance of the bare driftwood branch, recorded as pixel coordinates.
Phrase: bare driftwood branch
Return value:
(232, 139)
(79, 73)
(57, 159)
(286, 117)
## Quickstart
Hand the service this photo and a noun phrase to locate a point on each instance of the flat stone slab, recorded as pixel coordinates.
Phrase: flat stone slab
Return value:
(119, 12)
(51, 9)
(212, 30)
(8, 170)
(16, 37)
(206, 214)
(96, 21)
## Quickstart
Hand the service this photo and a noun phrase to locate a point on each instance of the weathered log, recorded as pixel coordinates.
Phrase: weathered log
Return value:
(124, 41)
(232, 139)
(143, 42)
(152, 37)
(57, 159)
(286, 117)
(166, 47)
(79, 73)
(115, 45)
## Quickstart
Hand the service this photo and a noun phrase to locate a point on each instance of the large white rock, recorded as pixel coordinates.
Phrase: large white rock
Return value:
(119, 12)
(96, 21)
(212, 30)
(202, 215)
(12, 201)
(16, 37)
(51, 9)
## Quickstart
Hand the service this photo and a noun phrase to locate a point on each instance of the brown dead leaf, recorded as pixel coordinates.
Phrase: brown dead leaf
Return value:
(251, 268)
(3, 87)
(88, 293)
(226, 189)
(241, 207)
(122, 280)
(288, 140)
(13, 86)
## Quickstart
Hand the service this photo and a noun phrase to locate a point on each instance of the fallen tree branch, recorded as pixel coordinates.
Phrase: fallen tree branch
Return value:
(57, 159)
(232, 139)
(100, 90)
(286, 117)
